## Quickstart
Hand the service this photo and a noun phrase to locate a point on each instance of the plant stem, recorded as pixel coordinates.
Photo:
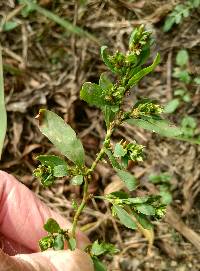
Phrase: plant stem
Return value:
(81, 207)
(106, 144)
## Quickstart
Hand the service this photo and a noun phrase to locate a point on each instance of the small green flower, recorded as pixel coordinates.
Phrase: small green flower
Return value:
(135, 152)
(45, 174)
(160, 212)
(46, 242)
(146, 109)
(115, 95)
(129, 151)
(139, 39)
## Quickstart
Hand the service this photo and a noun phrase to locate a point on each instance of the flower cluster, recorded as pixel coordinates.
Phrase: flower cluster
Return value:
(146, 108)
(139, 40)
(129, 151)
(45, 174)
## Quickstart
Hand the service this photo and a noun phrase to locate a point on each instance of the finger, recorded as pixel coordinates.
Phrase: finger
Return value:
(22, 214)
(11, 247)
(47, 261)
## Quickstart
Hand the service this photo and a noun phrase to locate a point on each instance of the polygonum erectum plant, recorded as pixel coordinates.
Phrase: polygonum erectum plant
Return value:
(108, 95)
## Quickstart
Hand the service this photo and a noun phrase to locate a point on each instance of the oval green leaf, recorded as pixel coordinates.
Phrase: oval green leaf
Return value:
(105, 58)
(92, 94)
(51, 226)
(58, 242)
(138, 76)
(98, 265)
(145, 209)
(77, 180)
(62, 136)
(171, 106)
(124, 217)
(72, 243)
(129, 180)
(157, 125)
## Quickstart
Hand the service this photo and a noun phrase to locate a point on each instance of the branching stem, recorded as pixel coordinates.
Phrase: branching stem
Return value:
(117, 121)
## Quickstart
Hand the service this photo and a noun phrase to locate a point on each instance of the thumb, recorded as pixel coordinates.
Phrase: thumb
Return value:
(47, 261)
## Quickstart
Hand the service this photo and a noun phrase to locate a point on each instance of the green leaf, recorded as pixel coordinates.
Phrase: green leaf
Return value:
(109, 114)
(74, 204)
(137, 200)
(77, 180)
(58, 165)
(119, 150)
(182, 75)
(171, 106)
(46, 242)
(104, 82)
(112, 159)
(10, 25)
(124, 217)
(129, 180)
(160, 179)
(189, 122)
(124, 161)
(58, 242)
(51, 160)
(119, 194)
(60, 171)
(145, 209)
(196, 3)
(178, 18)
(61, 135)
(138, 76)
(92, 94)
(190, 140)
(98, 265)
(179, 92)
(28, 9)
(103, 248)
(72, 243)
(144, 221)
(166, 197)
(3, 117)
(186, 98)
(51, 226)
(105, 58)
(197, 80)
(97, 249)
(182, 58)
(157, 125)
(169, 22)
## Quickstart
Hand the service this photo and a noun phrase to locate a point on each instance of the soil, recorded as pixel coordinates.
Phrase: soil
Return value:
(45, 66)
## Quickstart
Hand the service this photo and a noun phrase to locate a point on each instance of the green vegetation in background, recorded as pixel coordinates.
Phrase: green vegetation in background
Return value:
(182, 94)
(29, 6)
(181, 73)
(163, 182)
(180, 12)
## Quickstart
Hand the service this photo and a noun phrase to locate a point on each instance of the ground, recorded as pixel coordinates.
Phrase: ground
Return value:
(45, 66)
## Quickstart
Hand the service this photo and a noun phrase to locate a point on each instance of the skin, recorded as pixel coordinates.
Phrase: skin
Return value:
(22, 216)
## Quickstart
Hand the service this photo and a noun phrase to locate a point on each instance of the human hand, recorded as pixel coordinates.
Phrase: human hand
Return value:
(22, 216)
